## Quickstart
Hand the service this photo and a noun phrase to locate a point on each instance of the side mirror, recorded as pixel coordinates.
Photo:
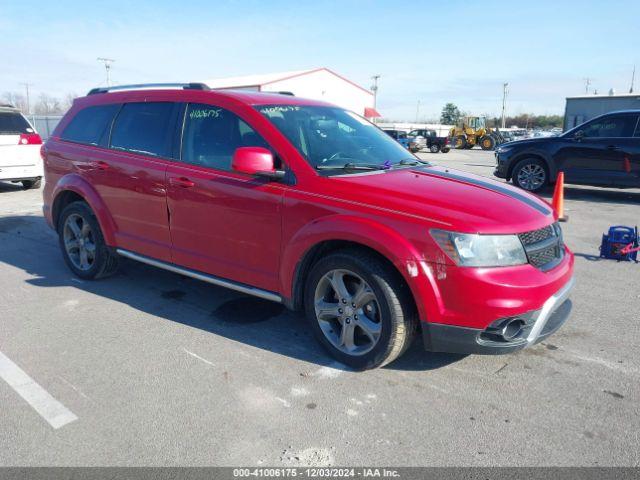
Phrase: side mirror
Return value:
(579, 135)
(256, 161)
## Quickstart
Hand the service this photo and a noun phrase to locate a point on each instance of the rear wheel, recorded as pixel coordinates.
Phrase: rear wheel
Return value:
(487, 142)
(530, 174)
(360, 309)
(32, 183)
(435, 148)
(82, 243)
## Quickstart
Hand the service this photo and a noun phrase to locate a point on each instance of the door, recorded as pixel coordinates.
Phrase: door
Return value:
(132, 176)
(596, 152)
(223, 223)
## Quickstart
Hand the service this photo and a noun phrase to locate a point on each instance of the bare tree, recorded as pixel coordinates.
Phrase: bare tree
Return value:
(67, 101)
(47, 105)
(18, 100)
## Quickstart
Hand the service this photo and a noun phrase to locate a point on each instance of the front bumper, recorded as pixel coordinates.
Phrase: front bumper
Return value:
(502, 165)
(538, 325)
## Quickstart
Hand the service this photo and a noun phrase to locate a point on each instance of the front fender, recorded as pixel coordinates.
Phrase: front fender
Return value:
(75, 183)
(379, 237)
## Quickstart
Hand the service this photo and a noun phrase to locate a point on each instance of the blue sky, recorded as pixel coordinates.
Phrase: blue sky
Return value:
(434, 52)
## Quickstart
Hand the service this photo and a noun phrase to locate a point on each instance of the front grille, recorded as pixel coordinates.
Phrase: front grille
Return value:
(544, 247)
(536, 236)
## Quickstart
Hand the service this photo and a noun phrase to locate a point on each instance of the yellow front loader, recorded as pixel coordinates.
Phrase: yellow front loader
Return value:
(472, 131)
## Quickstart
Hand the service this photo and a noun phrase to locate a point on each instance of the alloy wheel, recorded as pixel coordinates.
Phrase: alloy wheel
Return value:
(79, 242)
(531, 177)
(348, 312)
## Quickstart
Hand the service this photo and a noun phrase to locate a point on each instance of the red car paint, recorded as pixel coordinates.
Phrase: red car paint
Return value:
(237, 227)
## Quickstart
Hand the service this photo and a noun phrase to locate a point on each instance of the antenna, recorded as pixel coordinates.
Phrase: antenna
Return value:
(633, 79)
(107, 66)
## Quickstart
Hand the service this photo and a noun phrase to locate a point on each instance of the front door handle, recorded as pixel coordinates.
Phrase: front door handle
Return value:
(183, 182)
(613, 148)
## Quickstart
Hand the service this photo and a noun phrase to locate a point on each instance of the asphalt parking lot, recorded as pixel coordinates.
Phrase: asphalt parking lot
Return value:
(151, 368)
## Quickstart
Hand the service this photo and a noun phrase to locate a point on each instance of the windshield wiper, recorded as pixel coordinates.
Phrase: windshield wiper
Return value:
(410, 162)
(351, 166)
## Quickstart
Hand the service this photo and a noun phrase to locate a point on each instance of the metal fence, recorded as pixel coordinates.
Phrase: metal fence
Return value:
(44, 124)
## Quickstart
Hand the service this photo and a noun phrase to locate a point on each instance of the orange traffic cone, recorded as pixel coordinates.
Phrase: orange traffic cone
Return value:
(627, 165)
(558, 198)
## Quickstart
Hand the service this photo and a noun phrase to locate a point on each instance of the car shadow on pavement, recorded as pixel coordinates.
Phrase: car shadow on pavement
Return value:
(27, 243)
(10, 187)
(597, 195)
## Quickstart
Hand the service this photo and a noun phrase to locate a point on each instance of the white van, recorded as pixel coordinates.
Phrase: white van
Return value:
(19, 149)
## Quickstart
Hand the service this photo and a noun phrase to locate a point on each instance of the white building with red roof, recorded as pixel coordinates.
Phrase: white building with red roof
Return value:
(318, 84)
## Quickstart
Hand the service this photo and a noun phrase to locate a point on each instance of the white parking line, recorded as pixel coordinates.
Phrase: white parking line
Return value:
(42, 402)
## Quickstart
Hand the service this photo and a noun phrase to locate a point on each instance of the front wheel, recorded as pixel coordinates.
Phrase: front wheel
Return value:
(460, 142)
(530, 174)
(360, 309)
(487, 142)
(82, 243)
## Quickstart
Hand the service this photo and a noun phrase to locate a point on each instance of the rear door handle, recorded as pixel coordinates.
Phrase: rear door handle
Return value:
(183, 182)
(613, 148)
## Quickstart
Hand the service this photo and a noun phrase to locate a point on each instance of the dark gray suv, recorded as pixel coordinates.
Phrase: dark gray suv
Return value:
(603, 152)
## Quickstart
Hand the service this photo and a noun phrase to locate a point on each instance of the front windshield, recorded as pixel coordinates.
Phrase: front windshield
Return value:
(330, 137)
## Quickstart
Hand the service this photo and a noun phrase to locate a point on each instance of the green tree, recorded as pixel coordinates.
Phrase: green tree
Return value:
(450, 114)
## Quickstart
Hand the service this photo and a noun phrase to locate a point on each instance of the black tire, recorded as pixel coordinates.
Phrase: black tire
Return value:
(445, 150)
(460, 142)
(397, 314)
(33, 183)
(105, 261)
(530, 164)
(487, 142)
(435, 148)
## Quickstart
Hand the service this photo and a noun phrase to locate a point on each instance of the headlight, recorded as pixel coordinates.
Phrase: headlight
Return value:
(472, 250)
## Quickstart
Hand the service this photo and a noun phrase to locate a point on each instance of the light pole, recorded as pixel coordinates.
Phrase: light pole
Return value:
(505, 91)
(26, 87)
(374, 89)
(107, 66)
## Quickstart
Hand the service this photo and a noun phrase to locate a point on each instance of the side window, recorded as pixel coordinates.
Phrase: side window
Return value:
(637, 134)
(610, 127)
(144, 128)
(91, 124)
(212, 134)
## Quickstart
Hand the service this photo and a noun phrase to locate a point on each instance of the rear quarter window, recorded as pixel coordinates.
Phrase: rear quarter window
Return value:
(90, 125)
(13, 123)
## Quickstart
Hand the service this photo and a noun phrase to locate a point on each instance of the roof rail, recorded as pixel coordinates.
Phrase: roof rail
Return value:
(143, 86)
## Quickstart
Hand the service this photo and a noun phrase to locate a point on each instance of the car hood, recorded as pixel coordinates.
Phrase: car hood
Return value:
(446, 198)
(529, 142)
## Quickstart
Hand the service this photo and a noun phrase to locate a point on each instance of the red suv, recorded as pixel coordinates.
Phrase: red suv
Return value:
(307, 204)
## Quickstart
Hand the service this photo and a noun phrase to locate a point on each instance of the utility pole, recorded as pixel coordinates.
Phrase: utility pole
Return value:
(587, 84)
(633, 79)
(505, 90)
(417, 111)
(107, 66)
(374, 89)
(26, 87)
